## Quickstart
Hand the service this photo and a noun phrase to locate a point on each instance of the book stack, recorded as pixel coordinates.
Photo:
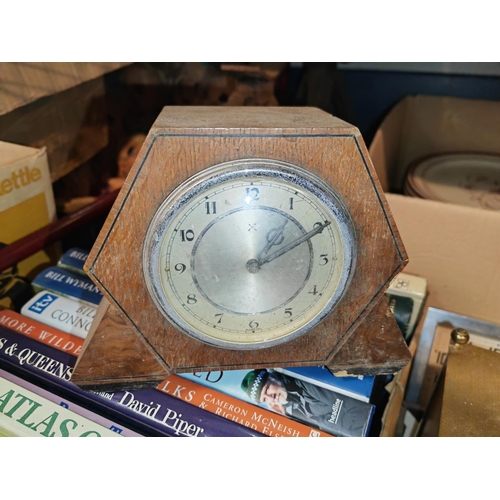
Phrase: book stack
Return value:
(39, 348)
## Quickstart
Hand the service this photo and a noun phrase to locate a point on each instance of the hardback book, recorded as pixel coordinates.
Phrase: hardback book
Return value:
(73, 260)
(355, 386)
(299, 400)
(237, 410)
(40, 331)
(66, 314)
(27, 414)
(26, 205)
(146, 411)
(79, 410)
(406, 297)
(68, 284)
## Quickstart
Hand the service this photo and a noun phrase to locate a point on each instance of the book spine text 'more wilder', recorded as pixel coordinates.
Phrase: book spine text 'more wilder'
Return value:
(45, 334)
(147, 411)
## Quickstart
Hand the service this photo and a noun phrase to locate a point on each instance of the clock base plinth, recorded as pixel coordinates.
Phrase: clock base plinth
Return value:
(376, 347)
(117, 357)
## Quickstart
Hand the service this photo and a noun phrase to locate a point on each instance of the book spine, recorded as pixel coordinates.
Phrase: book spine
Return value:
(301, 401)
(63, 313)
(355, 387)
(235, 410)
(74, 259)
(63, 341)
(146, 411)
(68, 284)
(25, 413)
(80, 410)
(406, 296)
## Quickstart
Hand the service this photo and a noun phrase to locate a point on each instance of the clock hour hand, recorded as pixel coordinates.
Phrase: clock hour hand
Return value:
(293, 244)
(274, 237)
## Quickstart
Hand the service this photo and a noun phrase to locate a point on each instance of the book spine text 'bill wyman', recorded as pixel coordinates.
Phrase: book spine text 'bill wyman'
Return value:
(68, 284)
(146, 411)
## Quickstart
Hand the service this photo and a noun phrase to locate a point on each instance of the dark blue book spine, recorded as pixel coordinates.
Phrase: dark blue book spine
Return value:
(74, 259)
(65, 282)
(148, 411)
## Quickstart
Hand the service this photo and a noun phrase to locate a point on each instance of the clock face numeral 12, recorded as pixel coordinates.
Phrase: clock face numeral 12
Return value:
(256, 252)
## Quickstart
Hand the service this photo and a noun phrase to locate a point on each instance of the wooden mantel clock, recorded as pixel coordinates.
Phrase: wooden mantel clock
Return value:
(244, 237)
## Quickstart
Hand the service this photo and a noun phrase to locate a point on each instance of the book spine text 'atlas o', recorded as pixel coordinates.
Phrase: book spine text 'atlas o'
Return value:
(80, 410)
(25, 413)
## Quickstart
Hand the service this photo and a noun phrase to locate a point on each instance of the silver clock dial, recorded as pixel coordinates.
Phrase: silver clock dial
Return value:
(249, 254)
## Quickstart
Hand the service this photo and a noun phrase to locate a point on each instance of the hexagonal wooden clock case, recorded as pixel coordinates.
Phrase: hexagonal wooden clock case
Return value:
(244, 238)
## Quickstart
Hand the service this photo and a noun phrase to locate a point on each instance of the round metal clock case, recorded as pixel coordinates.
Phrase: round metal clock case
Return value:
(249, 254)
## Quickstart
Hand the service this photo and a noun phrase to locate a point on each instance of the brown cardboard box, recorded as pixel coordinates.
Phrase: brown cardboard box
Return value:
(456, 248)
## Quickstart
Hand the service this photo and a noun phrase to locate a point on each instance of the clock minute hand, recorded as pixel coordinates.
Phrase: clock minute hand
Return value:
(293, 244)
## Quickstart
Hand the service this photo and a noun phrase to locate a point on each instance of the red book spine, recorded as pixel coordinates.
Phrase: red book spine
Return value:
(41, 332)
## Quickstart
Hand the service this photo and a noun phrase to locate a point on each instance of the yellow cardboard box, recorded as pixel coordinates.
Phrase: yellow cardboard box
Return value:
(26, 204)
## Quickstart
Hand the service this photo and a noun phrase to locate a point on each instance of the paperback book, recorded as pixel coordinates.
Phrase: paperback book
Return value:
(406, 297)
(357, 387)
(46, 334)
(63, 313)
(25, 413)
(146, 411)
(73, 260)
(68, 284)
(79, 410)
(296, 399)
(236, 410)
